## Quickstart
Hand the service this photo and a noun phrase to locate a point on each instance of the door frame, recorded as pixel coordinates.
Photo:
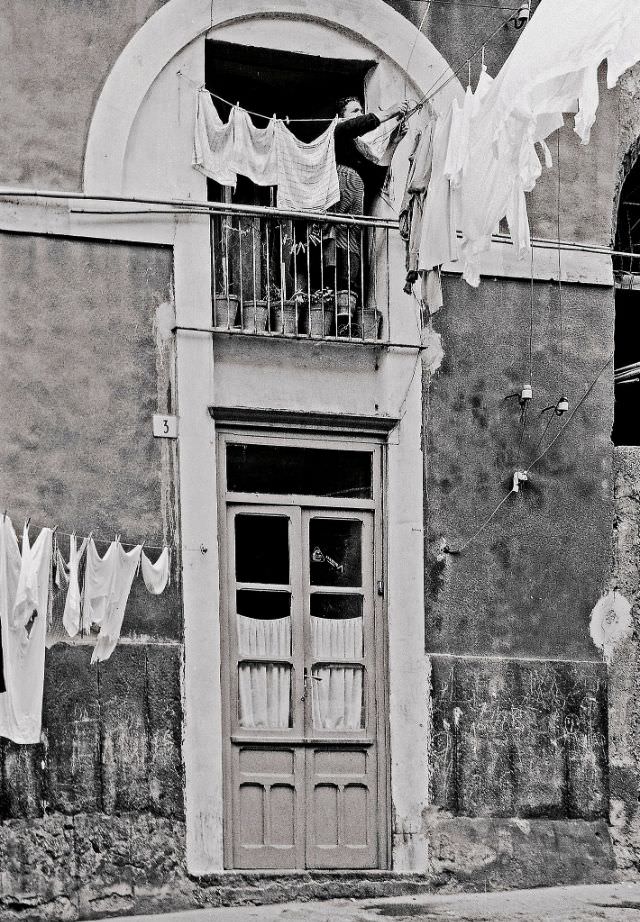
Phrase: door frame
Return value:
(311, 437)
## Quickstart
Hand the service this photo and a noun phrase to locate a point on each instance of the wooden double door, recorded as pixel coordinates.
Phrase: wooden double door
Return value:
(305, 754)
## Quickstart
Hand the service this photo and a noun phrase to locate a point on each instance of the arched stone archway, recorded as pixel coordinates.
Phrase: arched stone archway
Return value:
(180, 22)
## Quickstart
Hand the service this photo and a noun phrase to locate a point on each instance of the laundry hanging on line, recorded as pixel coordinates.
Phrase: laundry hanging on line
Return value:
(24, 599)
(553, 69)
(30, 578)
(304, 174)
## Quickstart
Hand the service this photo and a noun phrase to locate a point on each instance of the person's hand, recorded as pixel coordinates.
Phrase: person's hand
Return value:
(399, 110)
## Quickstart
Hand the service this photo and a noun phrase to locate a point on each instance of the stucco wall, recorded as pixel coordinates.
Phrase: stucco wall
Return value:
(527, 585)
(85, 363)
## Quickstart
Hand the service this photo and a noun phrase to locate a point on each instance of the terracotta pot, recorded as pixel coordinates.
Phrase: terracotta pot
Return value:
(225, 312)
(346, 302)
(254, 316)
(321, 320)
(286, 318)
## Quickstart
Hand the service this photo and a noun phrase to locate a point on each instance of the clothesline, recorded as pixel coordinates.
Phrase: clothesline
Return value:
(96, 538)
(233, 105)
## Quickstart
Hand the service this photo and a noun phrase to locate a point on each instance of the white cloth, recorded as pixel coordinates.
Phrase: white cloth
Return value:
(213, 143)
(337, 690)
(72, 605)
(305, 173)
(438, 239)
(264, 689)
(156, 575)
(379, 145)
(552, 69)
(24, 595)
(107, 584)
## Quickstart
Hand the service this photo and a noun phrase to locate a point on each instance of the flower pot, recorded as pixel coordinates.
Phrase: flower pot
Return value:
(254, 316)
(321, 320)
(225, 312)
(346, 302)
(286, 317)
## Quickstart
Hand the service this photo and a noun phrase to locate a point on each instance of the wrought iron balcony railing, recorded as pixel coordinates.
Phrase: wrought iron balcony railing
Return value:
(288, 274)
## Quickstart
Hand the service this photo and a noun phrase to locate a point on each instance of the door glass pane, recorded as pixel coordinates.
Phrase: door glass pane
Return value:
(337, 697)
(263, 623)
(264, 695)
(335, 552)
(336, 627)
(262, 548)
(309, 471)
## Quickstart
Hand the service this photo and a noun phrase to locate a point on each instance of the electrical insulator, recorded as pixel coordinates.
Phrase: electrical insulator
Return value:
(523, 15)
(562, 406)
(526, 394)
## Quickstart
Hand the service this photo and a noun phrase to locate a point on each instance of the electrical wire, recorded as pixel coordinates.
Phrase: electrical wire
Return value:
(536, 460)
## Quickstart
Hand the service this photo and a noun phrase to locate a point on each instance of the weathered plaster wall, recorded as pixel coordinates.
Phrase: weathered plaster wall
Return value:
(87, 358)
(85, 362)
(624, 668)
(527, 585)
(54, 58)
(519, 691)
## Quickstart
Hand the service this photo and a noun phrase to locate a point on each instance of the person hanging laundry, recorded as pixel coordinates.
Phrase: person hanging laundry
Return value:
(24, 597)
(156, 575)
(342, 254)
(107, 584)
(72, 605)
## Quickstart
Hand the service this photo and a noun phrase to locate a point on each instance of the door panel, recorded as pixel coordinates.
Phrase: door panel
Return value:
(302, 686)
(268, 809)
(341, 789)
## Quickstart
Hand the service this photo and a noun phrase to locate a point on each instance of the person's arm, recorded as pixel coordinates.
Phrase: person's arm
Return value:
(358, 125)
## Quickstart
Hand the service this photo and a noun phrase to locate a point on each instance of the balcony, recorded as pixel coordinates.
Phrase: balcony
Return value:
(300, 275)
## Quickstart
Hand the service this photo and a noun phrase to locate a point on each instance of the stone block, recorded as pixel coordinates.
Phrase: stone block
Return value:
(71, 721)
(124, 730)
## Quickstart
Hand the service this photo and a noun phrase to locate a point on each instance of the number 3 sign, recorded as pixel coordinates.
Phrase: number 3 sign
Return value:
(165, 427)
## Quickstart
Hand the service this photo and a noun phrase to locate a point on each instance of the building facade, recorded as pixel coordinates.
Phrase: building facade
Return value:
(460, 726)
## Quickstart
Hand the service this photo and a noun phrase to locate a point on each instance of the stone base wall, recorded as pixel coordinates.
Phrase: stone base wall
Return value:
(61, 868)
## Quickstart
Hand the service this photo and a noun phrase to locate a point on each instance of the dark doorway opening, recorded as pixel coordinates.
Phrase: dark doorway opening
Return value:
(286, 83)
(626, 426)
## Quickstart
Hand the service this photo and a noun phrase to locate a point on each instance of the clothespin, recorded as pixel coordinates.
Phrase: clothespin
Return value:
(54, 530)
(4, 516)
(26, 524)
(118, 538)
(286, 119)
(482, 57)
(469, 81)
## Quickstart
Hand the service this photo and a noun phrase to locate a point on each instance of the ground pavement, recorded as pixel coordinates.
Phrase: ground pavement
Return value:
(613, 903)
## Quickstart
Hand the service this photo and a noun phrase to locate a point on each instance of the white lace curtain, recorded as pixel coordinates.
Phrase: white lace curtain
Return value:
(337, 690)
(264, 689)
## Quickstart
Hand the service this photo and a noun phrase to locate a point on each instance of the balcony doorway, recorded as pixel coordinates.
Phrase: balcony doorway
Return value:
(281, 268)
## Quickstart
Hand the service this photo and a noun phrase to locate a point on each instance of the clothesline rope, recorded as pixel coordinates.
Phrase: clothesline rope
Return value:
(233, 105)
(96, 538)
(430, 93)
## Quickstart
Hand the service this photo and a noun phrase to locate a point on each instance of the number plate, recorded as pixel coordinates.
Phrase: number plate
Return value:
(165, 427)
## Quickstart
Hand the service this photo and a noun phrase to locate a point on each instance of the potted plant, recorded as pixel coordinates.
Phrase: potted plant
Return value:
(321, 314)
(225, 310)
(255, 315)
